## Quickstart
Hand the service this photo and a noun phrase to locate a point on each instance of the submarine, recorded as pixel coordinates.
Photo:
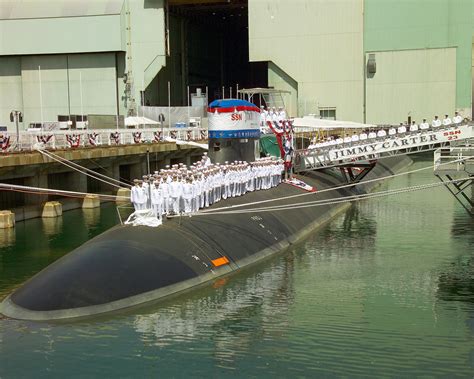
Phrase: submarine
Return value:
(129, 266)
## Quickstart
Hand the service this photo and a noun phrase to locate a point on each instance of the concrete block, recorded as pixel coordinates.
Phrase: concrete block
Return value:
(123, 192)
(91, 201)
(7, 219)
(52, 209)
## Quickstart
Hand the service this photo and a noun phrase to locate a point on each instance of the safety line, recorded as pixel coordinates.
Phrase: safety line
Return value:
(333, 188)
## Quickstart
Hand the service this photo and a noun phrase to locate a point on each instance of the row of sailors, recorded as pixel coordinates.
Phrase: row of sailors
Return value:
(183, 190)
(271, 114)
(391, 132)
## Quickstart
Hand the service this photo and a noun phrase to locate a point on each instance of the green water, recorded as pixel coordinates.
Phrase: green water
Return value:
(386, 289)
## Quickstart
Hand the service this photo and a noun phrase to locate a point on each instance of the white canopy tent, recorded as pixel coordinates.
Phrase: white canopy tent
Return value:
(318, 123)
(137, 121)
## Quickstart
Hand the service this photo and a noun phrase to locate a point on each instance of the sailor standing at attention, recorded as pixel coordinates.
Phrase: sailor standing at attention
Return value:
(447, 121)
(206, 161)
(263, 117)
(175, 193)
(424, 125)
(282, 113)
(166, 194)
(457, 119)
(134, 195)
(157, 200)
(402, 129)
(188, 193)
(436, 122)
(413, 127)
(141, 196)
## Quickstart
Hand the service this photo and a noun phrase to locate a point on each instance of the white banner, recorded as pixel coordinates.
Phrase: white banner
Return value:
(409, 141)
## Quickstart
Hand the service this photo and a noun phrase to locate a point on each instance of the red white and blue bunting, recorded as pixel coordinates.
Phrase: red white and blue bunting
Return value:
(4, 142)
(115, 138)
(73, 140)
(157, 137)
(44, 139)
(93, 139)
(137, 137)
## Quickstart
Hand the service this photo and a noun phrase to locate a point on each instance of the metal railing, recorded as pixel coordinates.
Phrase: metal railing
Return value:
(73, 139)
(454, 159)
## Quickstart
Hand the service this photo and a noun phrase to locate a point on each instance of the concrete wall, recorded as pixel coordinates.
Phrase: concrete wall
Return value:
(416, 83)
(407, 25)
(319, 44)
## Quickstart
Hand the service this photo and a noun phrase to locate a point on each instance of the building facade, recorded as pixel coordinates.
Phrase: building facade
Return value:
(374, 61)
(72, 57)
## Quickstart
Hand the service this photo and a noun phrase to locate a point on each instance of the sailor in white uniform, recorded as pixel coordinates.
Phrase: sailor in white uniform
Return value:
(402, 129)
(175, 193)
(165, 192)
(372, 135)
(413, 127)
(447, 121)
(134, 195)
(392, 132)
(436, 123)
(188, 195)
(424, 125)
(263, 117)
(157, 200)
(206, 161)
(141, 196)
(457, 119)
(381, 133)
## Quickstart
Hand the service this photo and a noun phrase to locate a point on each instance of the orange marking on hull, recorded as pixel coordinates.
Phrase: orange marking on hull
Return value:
(220, 261)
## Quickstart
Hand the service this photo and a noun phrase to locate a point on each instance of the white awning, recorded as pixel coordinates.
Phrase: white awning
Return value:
(318, 123)
(136, 121)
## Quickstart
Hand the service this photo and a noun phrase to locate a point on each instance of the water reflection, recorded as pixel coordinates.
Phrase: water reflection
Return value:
(355, 231)
(7, 237)
(91, 217)
(52, 225)
(254, 307)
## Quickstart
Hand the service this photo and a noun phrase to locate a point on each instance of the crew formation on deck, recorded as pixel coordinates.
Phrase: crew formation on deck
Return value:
(382, 132)
(179, 189)
(271, 114)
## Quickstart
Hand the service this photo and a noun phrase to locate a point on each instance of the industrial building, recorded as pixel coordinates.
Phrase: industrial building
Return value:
(374, 61)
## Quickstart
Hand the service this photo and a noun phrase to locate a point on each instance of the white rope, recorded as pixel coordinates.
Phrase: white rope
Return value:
(75, 169)
(331, 201)
(333, 188)
(80, 168)
(49, 191)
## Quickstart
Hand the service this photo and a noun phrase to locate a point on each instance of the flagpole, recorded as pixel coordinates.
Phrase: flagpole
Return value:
(41, 97)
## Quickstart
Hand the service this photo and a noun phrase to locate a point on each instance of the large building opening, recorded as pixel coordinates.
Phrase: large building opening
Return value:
(208, 49)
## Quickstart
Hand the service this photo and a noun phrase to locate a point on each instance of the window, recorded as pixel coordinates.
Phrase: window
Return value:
(327, 113)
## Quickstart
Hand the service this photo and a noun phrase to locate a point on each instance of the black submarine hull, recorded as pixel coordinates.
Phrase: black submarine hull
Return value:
(128, 266)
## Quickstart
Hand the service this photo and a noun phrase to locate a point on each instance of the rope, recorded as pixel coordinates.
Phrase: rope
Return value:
(36, 190)
(333, 188)
(331, 201)
(82, 172)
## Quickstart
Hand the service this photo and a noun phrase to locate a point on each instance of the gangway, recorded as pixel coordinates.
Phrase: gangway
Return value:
(342, 154)
(454, 166)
